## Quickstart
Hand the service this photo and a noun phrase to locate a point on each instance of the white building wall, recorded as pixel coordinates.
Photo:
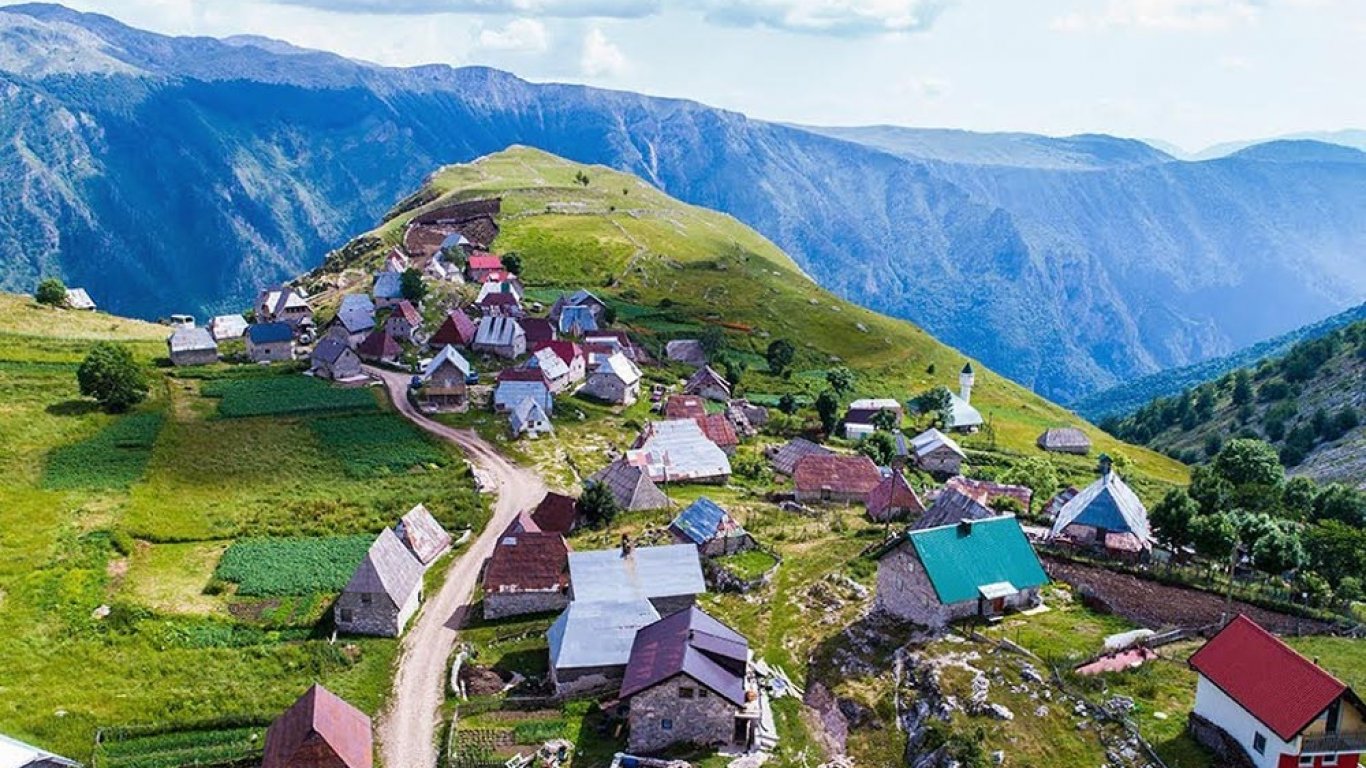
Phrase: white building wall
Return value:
(1214, 705)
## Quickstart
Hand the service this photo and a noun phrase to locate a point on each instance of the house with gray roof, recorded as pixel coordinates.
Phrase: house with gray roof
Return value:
(686, 351)
(501, 336)
(1106, 514)
(79, 298)
(679, 451)
(590, 304)
(615, 380)
(388, 289)
(784, 458)
(286, 305)
(688, 682)
(632, 488)
(952, 506)
(270, 342)
(444, 383)
(423, 535)
(518, 384)
(17, 754)
(334, 360)
(383, 593)
(227, 327)
(530, 419)
(1065, 440)
(668, 577)
(192, 346)
(355, 318)
(590, 644)
(707, 383)
(936, 452)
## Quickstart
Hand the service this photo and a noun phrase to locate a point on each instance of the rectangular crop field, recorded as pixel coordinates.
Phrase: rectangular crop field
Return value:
(292, 566)
(114, 457)
(284, 396)
(228, 746)
(378, 444)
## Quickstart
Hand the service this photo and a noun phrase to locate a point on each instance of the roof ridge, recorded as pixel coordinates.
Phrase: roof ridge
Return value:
(1299, 657)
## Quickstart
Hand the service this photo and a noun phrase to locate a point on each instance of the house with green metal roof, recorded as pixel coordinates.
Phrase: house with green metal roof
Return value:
(972, 568)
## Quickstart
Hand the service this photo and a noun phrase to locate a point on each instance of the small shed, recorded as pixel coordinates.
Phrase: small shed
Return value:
(951, 507)
(227, 327)
(709, 384)
(1065, 440)
(192, 346)
(686, 351)
(631, 486)
(711, 528)
(784, 458)
(529, 418)
(78, 298)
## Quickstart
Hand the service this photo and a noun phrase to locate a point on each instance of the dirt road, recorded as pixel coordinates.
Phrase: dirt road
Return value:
(408, 728)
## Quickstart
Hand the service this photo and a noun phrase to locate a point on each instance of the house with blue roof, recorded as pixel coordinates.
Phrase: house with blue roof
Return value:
(1107, 514)
(270, 342)
(973, 568)
(715, 533)
(577, 320)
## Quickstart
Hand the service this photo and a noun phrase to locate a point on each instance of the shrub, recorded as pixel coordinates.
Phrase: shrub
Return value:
(52, 292)
(111, 376)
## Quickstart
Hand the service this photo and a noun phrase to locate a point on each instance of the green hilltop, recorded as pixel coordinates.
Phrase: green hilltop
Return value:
(671, 269)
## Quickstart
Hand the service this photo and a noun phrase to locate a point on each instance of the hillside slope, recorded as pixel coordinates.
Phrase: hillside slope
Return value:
(1310, 403)
(672, 269)
(1128, 397)
(171, 174)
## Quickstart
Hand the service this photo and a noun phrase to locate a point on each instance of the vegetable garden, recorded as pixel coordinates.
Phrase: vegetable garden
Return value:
(376, 444)
(283, 396)
(115, 457)
(227, 747)
(292, 566)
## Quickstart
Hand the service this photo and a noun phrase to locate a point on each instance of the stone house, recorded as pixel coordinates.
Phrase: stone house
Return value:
(530, 419)
(192, 346)
(992, 494)
(834, 479)
(284, 305)
(228, 327)
(894, 499)
(686, 351)
(687, 682)
(388, 289)
(79, 298)
(383, 593)
(951, 507)
(615, 380)
(270, 342)
(501, 336)
(379, 347)
(784, 458)
(501, 304)
(715, 533)
(595, 307)
(935, 452)
(355, 319)
(974, 568)
(719, 429)
(444, 383)
(709, 384)
(334, 360)
(1065, 440)
(528, 572)
(590, 644)
(404, 322)
(1105, 515)
(518, 384)
(319, 730)
(562, 362)
(631, 486)
(679, 452)
(669, 577)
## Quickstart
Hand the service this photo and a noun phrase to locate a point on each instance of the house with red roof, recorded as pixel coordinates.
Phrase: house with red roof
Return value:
(719, 430)
(1257, 695)
(688, 682)
(481, 265)
(685, 407)
(835, 478)
(458, 330)
(320, 730)
(404, 322)
(894, 499)
(528, 572)
(556, 513)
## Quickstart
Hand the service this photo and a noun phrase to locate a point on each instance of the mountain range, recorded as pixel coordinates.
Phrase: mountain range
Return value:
(180, 174)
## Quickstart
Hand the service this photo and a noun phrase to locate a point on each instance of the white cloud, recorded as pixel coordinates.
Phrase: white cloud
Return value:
(1181, 15)
(601, 57)
(618, 9)
(520, 35)
(924, 88)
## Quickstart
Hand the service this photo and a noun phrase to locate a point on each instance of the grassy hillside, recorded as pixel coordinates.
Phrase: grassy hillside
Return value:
(112, 609)
(1310, 403)
(1126, 398)
(672, 269)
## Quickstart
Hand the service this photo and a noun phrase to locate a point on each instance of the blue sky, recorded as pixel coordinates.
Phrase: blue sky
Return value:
(1192, 72)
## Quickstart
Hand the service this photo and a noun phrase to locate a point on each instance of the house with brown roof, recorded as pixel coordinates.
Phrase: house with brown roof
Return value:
(457, 330)
(444, 383)
(383, 593)
(709, 384)
(719, 430)
(319, 730)
(404, 322)
(1259, 702)
(835, 478)
(501, 304)
(685, 407)
(379, 347)
(538, 331)
(785, 457)
(894, 499)
(688, 681)
(631, 486)
(556, 513)
(423, 535)
(528, 572)
(1065, 440)
(989, 494)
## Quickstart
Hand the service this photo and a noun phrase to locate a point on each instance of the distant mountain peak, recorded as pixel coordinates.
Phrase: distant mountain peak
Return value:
(1300, 151)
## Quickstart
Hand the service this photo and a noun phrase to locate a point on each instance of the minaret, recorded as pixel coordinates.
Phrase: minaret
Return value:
(965, 382)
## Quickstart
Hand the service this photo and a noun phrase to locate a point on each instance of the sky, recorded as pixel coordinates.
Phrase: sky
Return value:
(1189, 72)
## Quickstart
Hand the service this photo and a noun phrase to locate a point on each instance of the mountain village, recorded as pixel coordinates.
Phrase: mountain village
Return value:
(607, 590)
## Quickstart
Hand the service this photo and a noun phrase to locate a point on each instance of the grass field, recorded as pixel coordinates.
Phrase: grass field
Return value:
(143, 535)
(284, 396)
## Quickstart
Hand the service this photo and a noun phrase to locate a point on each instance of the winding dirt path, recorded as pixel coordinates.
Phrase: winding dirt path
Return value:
(408, 727)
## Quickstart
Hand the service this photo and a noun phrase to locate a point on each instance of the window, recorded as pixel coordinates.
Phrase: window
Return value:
(1306, 761)
(701, 693)
(1329, 761)
(1259, 743)
(366, 599)
(685, 693)
(345, 615)
(666, 724)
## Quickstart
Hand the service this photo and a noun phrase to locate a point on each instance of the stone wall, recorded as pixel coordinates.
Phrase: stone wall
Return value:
(583, 681)
(706, 719)
(500, 605)
(273, 352)
(195, 357)
(355, 616)
(941, 461)
(904, 590)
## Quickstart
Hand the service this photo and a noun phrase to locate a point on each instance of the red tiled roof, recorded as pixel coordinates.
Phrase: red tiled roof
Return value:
(684, 407)
(458, 330)
(485, 261)
(524, 561)
(343, 728)
(539, 331)
(521, 374)
(557, 513)
(718, 429)
(894, 493)
(1278, 686)
(565, 350)
(842, 474)
(407, 311)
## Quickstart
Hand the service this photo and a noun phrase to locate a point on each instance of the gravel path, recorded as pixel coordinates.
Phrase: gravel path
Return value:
(408, 727)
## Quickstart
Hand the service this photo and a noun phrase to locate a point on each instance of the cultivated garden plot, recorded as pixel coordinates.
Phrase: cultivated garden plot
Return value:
(292, 566)
(284, 395)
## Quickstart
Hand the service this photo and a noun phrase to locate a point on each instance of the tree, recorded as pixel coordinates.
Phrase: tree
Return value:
(1341, 503)
(412, 286)
(880, 447)
(1242, 388)
(780, 355)
(828, 408)
(1297, 499)
(937, 403)
(1278, 551)
(52, 292)
(1214, 535)
(735, 370)
(840, 379)
(1036, 473)
(1336, 549)
(886, 420)
(598, 505)
(1172, 518)
(581, 178)
(788, 403)
(1253, 469)
(111, 376)
(712, 339)
(512, 262)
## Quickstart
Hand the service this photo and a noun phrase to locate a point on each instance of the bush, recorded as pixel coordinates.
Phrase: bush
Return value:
(292, 566)
(52, 292)
(111, 376)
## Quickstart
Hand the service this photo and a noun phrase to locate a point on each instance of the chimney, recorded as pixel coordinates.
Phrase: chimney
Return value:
(965, 381)
(626, 545)
(1106, 464)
